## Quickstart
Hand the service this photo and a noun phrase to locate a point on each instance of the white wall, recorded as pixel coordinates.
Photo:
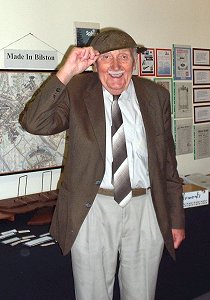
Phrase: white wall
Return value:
(154, 23)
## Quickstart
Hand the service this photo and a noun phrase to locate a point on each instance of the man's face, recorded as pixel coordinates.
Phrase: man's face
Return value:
(115, 70)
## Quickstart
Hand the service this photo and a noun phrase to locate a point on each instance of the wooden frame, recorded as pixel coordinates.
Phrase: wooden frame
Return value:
(201, 95)
(201, 114)
(201, 77)
(201, 57)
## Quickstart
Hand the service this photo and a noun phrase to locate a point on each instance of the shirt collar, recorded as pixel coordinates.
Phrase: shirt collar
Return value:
(126, 95)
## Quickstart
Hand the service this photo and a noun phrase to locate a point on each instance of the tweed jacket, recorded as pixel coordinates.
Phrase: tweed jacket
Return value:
(79, 108)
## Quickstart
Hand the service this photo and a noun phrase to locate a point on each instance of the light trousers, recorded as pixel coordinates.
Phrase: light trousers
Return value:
(109, 229)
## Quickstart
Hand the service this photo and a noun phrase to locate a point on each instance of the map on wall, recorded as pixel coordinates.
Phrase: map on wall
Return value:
(20, 150)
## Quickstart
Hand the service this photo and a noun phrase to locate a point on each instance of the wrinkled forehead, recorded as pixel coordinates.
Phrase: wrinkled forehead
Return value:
(114, 53)
(118, 51)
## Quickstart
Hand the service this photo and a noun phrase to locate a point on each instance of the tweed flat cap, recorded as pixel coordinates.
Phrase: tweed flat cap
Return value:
(114, 39)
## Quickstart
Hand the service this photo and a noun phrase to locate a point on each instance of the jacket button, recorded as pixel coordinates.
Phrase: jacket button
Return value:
(98, 182)
(58, 90)
(88, 205)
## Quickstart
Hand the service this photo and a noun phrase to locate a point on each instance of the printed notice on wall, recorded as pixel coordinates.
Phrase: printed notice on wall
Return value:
(182, 99)
(184, 141)
(202, 141)
(30, 59)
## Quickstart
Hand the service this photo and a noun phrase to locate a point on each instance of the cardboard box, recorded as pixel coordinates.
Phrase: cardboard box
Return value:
(198, 179)
(194, 195)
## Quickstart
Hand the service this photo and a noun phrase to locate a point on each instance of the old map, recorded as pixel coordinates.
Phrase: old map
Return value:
(20, 150)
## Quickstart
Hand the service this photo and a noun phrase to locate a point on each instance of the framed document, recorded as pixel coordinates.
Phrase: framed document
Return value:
(147, 62)
(182, 99)
(201, 57)
(201, 94)
(182, 62)
(183, 136)
(167, 84)
(163, 62)
(201, 114)
(201, 76)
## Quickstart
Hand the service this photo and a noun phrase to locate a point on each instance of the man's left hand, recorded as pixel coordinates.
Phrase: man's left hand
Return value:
(178, 237)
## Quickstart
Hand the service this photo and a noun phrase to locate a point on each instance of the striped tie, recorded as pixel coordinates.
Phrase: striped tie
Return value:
(120, 171)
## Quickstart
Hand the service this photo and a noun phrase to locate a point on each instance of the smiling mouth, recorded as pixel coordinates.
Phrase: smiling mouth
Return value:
(117, 74)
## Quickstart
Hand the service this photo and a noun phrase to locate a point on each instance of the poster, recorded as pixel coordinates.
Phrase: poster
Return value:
(84, 32)
(182, 62)
(20, 150)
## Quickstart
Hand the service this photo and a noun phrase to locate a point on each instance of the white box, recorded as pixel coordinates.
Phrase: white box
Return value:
(194, 195)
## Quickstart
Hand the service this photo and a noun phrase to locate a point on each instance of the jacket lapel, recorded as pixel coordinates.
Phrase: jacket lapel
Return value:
(148, 112)
(95, 107)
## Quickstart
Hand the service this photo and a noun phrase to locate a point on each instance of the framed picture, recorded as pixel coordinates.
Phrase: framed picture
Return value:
(201, 114)
(182, 99)
(201, 57)
(182, 62)
(201, 76)
(84, 32)
(19, 150)
(167, 84)
(201, 94)
(163, 62)
(147, 62)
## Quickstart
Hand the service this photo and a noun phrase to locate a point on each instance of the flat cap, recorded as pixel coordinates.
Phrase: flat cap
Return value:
(114, 39)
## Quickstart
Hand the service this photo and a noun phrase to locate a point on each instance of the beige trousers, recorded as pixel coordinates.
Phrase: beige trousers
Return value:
(108, 229)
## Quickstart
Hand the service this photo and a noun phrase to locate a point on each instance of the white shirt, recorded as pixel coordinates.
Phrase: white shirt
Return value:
(135, 139)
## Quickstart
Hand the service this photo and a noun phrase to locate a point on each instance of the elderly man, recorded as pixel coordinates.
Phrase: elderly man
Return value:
(121, 195)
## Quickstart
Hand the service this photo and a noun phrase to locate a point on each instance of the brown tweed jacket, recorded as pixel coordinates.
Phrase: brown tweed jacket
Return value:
(79, 107)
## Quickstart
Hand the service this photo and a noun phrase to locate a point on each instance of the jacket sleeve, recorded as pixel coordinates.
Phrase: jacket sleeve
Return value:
(174, 185)
(47, 112)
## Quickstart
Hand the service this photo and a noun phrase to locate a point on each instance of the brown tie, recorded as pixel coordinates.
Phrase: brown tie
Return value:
(120, 171)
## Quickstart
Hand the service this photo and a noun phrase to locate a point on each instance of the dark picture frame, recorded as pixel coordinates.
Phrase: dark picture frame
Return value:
(201, 76)
(201, 57)
(21, 151)
(201, 114)
(201, 95)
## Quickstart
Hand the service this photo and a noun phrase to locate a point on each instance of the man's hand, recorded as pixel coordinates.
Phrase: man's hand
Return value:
(78, 60)
(178, 237)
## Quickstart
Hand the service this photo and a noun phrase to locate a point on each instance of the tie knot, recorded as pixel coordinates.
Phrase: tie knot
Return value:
(116, 97)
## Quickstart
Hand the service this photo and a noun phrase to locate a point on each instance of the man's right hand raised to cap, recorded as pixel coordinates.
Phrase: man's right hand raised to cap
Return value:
(78, 60)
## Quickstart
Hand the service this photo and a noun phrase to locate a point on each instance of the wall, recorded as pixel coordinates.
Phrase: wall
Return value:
(153, 23)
